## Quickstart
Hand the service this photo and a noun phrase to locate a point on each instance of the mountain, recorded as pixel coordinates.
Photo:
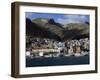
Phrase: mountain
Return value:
(48, 28)
(40, 29)
(76, 30)
(50, 25)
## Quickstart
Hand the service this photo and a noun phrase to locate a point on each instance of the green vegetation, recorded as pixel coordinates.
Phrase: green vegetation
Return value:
(48, 28)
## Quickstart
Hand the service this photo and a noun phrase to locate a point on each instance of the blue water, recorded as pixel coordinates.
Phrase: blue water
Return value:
(57, 61)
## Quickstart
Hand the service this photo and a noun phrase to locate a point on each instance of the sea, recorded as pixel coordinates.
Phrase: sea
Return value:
(57, 61)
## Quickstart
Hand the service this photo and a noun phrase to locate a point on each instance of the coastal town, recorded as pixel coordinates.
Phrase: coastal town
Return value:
(44, 47)
(50, 42)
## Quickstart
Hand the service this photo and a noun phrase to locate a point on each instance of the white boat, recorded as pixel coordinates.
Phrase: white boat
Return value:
(77, 54)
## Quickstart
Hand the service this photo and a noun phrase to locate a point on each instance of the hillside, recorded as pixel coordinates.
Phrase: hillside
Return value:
(38, 30)
(48, 28)
(75, 30)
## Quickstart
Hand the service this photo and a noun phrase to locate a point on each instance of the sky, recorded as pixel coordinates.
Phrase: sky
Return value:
(60, 18)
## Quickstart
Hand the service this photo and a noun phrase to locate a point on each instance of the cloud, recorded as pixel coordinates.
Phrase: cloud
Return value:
(66, 21)
(73, 19)
(28, 14)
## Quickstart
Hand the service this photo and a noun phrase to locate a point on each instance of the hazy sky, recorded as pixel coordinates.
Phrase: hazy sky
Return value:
(60, 18)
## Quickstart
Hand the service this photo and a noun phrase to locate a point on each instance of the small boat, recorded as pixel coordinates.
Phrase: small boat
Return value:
(77, 54)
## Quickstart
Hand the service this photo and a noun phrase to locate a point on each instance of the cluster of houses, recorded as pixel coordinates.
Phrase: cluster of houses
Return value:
(53, 48)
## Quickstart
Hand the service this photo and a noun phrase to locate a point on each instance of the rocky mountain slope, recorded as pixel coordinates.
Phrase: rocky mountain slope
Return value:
(48, 28)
